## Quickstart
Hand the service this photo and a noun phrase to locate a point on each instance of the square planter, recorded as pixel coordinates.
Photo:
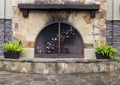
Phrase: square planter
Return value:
(11, 55)
(100, 56)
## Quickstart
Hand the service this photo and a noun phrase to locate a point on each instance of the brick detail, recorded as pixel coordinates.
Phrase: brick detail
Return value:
(5, 32)
(113, 33)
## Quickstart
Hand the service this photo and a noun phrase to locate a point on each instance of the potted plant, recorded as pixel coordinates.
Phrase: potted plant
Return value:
(105, 52)
(13, 50)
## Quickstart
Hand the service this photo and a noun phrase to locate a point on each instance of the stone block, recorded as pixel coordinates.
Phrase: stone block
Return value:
(102, 41)
(89, 53)
(24, 67)
(88, 39)
(45, 68)
(102, 6)
(15, 2)
(66, 68)
(87, 19)
(96, 69)
(85, 67)
(29, 52)
(7, 65)
(103, 14)
(75, 68)
(28, 44)
(114, 66)
(102, 23)
(1, 66)
(118, 65)
(103, 67)
(17, 67)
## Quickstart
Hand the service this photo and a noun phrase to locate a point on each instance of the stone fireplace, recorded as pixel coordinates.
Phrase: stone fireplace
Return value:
(63, 30)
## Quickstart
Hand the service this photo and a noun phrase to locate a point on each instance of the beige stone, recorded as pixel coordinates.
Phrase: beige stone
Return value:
(87, 68)
(96, 37)
(103, 14)
(28, 44)
(96, 43)
(27, 1)
(17, 67)
(102, 41)
(102, 23)
(89, 53)
(7, 66)
(30, 37)
(15, 2)
(21, 67)
(87, 19)
(113, 66)
(22, 26)
(66, 68)
(82, 27)
(1, 66)
(103, 67)
(26, 67)
(96, 31)
(102, 6)
(46, 68)
(88, 39)
(18, 36)
(29, 52)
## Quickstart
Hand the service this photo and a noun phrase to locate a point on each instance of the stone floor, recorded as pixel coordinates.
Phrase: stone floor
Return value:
(7, 78)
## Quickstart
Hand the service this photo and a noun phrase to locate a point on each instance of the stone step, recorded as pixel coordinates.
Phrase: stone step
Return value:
(58, 66)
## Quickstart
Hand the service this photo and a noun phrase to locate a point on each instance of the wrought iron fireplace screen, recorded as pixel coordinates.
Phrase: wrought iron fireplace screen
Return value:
(59, 40)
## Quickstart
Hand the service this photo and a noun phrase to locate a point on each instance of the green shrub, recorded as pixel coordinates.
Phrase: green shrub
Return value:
(14, 46)
(107, 50)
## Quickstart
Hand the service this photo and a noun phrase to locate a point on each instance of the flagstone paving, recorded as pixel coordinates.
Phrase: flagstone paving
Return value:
(9, 78)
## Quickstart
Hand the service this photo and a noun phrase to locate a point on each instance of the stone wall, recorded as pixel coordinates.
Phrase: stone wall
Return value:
(5, 32)
(52, 66)
(8, 30)
(113, 33)
(1, 34)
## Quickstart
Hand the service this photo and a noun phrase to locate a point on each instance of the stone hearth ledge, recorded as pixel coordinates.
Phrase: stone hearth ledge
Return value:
(56, 60)
(58, 66)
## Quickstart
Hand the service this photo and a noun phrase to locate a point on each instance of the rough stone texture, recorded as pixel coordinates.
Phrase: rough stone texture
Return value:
(1, 65)
(8, 30)
(1, 34)
(82, 67)
(109, 78)
(103, 67)
(27, 29)
(90, 29)
(5, 32)
(44, 66)
(113, 33)
(17, 67)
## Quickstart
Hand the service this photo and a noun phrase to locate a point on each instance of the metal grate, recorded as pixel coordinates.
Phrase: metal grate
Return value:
(58, 40)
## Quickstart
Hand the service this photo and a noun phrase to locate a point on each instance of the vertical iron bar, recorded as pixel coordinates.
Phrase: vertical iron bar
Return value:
(59, 38)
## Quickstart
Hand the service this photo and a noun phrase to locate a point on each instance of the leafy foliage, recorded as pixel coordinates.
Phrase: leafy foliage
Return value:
(14, 46)
(107, 50)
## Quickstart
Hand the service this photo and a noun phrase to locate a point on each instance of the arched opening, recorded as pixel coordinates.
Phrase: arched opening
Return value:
(59, 40)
